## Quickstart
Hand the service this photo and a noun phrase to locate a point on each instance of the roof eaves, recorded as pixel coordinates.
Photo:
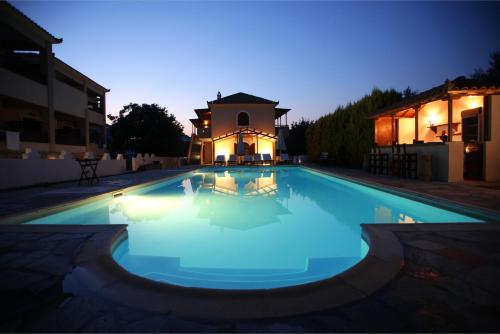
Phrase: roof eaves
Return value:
(83, 75)
(53, 39)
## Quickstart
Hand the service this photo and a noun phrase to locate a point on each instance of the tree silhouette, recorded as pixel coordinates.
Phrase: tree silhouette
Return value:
(146, 128)
(296, 140)
(492, 74)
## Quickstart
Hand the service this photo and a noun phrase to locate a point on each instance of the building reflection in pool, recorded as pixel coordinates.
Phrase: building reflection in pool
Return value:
(220, 197)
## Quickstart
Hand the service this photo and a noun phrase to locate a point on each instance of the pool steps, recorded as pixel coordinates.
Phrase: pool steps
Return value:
(172, 272)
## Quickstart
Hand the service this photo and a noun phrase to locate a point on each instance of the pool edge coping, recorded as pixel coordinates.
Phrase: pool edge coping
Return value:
(18, 218)
(436, 201)
(474, 211)
(97, 271)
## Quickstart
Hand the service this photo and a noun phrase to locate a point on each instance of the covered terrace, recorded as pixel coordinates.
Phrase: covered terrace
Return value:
(450, 122)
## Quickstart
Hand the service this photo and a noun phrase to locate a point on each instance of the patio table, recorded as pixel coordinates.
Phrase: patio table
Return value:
(89, 168)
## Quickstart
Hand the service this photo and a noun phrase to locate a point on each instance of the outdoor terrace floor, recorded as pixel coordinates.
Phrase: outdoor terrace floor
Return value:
(448, 280)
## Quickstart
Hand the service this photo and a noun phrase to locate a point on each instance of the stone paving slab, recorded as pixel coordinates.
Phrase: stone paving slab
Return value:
(449, 282)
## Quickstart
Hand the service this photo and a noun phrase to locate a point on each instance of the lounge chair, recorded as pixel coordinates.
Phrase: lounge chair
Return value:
(247, 159)
(285, 159)
(267, 158)
(233, 159)
(257, 159)
(220, 160)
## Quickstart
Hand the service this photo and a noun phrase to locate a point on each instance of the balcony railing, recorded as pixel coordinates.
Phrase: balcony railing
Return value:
(22, 88)
(69, 100)
(204, 132)
(284, 128)
(69, 139)
(36, 137)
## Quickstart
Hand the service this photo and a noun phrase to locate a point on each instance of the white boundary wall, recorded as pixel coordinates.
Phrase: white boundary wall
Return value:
(16, 173)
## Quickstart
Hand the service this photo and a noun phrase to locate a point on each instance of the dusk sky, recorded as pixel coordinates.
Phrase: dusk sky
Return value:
(310, 56)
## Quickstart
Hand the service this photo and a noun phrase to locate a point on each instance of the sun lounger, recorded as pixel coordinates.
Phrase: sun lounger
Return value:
(285, 159)
(257, 159)
(247, 159)
(233, 159)
(267, 158)
(220, 160)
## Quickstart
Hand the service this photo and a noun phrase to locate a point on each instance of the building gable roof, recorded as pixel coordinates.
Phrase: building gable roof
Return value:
(242, 98)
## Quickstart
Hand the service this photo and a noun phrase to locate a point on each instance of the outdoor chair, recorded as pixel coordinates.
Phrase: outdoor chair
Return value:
(220, 160)
(409, 164)
(285, 159)
(247, 159)
(257, 159)
(233, 159)
(267, 158)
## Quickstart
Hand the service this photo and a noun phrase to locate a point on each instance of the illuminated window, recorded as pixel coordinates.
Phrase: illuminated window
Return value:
(243, 119)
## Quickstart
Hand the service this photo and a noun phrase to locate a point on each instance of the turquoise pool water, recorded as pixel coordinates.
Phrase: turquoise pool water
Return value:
(248, 228)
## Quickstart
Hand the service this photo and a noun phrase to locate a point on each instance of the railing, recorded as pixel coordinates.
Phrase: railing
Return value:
(35, 137)
(203, 132)
(69, 139)
(22, 88)
(284, 128)
(69, 100)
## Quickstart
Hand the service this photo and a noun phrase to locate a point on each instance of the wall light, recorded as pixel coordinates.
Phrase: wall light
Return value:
(432, 119)
(473, 101)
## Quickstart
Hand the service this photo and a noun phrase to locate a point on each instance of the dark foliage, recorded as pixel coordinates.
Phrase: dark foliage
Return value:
(492, 74)
(296, 140)
(347, 133)
(147, 128)
(408, 93)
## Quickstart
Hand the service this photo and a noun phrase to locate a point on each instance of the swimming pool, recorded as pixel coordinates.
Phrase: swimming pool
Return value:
(247, 227)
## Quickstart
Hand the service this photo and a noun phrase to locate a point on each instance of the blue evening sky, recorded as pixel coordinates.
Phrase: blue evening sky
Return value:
(311, 56)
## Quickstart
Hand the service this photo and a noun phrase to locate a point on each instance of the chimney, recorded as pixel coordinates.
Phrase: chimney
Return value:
(219, 96)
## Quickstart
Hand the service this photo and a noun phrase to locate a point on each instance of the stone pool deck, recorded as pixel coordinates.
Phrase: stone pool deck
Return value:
(448, 281)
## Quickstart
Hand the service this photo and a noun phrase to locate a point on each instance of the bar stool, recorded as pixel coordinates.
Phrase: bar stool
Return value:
(382, 162)
(396, 158)
(410, 164)
(372, 160)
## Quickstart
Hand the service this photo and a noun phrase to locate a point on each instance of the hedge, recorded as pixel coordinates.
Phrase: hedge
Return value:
(347, 133)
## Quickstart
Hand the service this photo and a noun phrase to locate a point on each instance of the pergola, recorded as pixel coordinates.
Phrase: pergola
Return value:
(244, 131)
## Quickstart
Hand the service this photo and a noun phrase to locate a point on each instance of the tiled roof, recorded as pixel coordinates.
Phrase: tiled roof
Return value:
(439, 92)
(242, 98)
(6, 6)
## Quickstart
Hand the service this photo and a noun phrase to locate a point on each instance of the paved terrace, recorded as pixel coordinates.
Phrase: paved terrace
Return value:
(448, 280)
